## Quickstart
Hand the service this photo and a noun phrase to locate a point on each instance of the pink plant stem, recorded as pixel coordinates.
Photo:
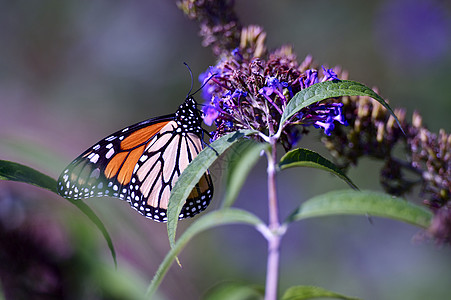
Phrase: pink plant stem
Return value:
(272, 272)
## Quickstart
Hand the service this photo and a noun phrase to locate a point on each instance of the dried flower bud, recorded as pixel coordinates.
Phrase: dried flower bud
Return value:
(253, 39)
(417, 120)
(440, 227)
(219, 24)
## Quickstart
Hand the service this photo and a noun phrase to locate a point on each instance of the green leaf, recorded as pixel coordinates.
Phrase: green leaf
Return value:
(306, 158)
(243, 156)
(304, 292)
(207, 221)
(364, 203)
(192, 174)
(235, 291)
(331, 89)
(16, 172)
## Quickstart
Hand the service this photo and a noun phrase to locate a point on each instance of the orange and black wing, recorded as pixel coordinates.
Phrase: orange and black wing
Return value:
(140, 164)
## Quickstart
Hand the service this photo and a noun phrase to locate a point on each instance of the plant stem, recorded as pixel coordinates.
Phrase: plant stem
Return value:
(272, 271)
(273, 205)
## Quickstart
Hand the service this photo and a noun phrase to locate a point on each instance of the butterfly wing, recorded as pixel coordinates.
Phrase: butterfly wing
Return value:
(140, 164)
(158, 170)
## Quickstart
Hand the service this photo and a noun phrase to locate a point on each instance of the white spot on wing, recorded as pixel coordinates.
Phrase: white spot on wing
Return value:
(109, 153)
(94, 159)
(95, 173)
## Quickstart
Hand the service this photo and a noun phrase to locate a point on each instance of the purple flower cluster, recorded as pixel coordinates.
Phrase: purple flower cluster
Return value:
(323, 116)
(253, 93)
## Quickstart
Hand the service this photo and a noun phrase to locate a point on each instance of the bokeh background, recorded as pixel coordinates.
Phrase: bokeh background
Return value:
(72, 72)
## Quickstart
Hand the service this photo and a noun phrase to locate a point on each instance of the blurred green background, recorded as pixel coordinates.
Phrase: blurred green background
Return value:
(72, 72)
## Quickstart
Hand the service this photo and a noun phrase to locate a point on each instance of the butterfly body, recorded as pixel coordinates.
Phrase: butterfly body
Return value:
(141, 163)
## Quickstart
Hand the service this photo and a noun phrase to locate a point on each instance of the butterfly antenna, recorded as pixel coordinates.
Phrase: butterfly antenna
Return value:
(192, 79)
(203, 84)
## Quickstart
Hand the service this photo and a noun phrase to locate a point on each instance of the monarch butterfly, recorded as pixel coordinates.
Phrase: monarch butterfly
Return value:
(141, 164)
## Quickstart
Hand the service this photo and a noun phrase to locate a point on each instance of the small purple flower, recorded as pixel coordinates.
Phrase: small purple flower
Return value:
(310, 79)
(337, 114)
(323, 116)
(207, 74)
(329, 74)
(328, 125)
(238, 93)
(228, 124)
(237, 54)
(211, 112)
(273, 86)
(293, 136)
(208, 89)
(290, 90)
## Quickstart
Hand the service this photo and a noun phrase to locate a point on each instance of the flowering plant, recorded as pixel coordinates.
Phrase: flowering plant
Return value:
(261, 99)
